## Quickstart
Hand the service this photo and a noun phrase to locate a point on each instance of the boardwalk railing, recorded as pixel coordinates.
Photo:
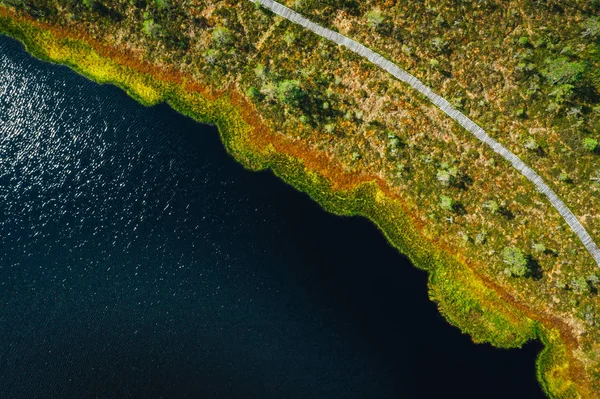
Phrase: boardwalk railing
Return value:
(445, 106)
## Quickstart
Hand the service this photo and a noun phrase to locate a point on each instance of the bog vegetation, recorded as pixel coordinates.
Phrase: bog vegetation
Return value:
(526, 71)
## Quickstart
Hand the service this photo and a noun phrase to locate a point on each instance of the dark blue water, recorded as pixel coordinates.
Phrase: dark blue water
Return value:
(137, 259)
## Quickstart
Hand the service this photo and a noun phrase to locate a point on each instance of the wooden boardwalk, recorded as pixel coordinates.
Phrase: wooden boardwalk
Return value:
(445, 106)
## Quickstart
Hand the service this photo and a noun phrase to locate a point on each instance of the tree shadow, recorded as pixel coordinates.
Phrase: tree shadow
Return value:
(459, 209)
(535, 271)
(463, 182)
(507, 213)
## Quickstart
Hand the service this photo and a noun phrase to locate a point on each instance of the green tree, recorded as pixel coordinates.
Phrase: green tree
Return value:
(290, 93)
(254, 93)
(151, 28)
(518, 264)
(261, 72)
(376, 19)
(447, 203)
(591, 28)
(447, 176)
(580, 285)
(590, 144)
(289, 38)
(491, 206)
(222, 36)
(523, 41)
(162, 3)
(539, 248)
(395, 141)
(212, 56)
(439, 44)
(531, 144)
(563, 71)
(562, 93)
(481, 238)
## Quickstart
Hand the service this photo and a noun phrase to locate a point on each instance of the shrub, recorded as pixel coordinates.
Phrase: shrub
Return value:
(591, 28)
(491, 206)
(590, 144)
(151, 28)
(162, 3)
(254, 93)
(563, 71)
(376, 18)
(580, 285)
(518, 264)
(221, 36)
(539, 248)
(439, 44)
(523, 41)
(289, 92)
(447, 176)
(531, 144)
(447, 203)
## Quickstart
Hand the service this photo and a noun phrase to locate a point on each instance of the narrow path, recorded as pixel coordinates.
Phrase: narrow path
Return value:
(445, 106)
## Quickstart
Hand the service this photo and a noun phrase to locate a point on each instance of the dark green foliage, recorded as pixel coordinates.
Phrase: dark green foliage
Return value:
(290, 93)
(254, 93)
(563, 71)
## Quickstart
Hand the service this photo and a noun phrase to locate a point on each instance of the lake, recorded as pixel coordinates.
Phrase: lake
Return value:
(138, 259)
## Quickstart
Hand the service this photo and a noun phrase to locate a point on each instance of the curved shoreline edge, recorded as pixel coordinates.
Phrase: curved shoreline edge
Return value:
(448, 109)
(466, 300)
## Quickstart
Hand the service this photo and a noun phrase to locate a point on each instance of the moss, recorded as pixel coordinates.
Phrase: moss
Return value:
(553, 367)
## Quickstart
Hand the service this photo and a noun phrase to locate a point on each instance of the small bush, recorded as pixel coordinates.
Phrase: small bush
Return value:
(518, 264)
(289, 92)
(376, 19)
(221, 36)
(447, 203)
(563, 71)
(254, 93)
(590, 144)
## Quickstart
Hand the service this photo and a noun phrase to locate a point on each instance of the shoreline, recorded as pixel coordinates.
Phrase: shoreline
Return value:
(247, 140)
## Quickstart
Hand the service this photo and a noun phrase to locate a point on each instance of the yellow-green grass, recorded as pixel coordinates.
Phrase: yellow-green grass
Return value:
(462, 297)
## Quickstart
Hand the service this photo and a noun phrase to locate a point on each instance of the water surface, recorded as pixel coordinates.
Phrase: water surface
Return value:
(137, 259)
